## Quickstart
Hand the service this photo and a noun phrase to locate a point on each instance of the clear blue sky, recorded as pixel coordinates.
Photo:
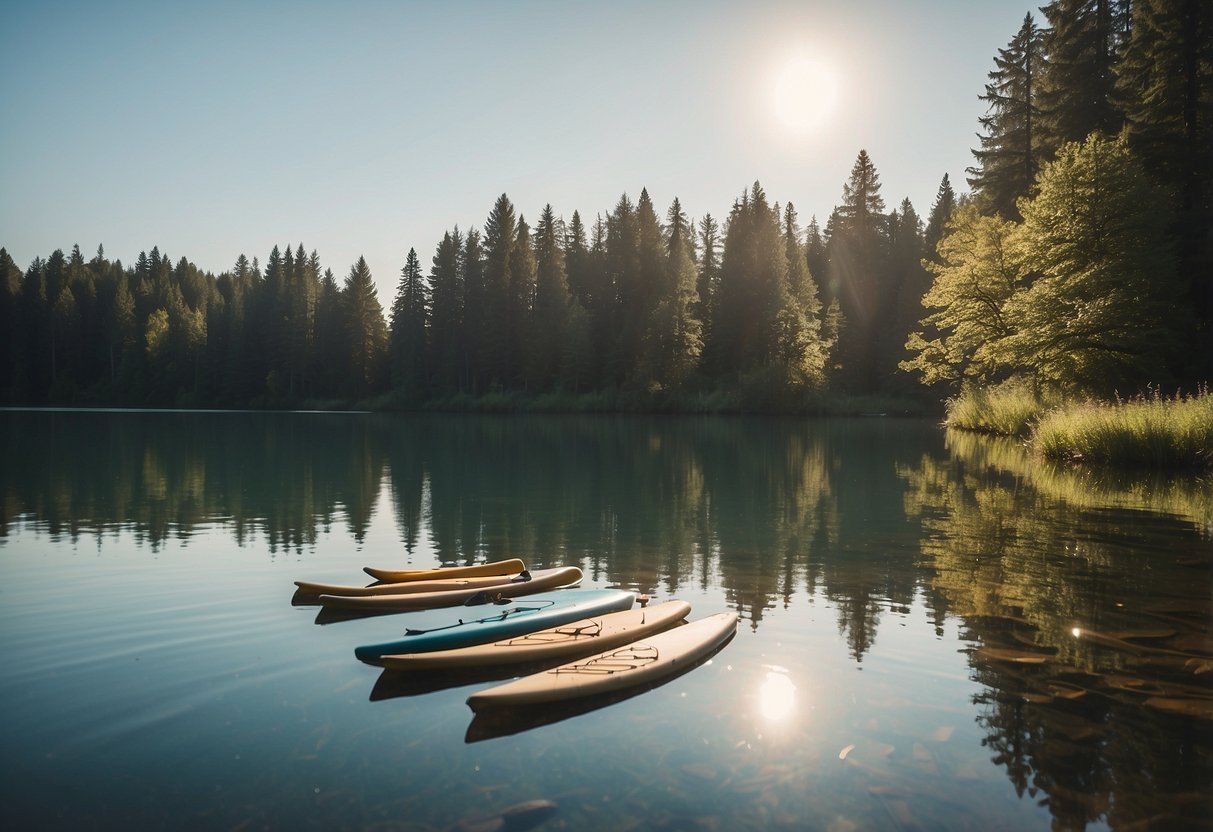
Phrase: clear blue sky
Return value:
(366, 128)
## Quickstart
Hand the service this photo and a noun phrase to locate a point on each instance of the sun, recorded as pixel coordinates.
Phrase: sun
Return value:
(803, 92)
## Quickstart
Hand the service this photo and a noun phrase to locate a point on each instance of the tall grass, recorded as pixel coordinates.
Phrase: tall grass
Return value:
(1008, 409)
(1151, 430)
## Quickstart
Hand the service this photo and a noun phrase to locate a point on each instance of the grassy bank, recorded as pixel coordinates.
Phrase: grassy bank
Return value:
(1174, 432)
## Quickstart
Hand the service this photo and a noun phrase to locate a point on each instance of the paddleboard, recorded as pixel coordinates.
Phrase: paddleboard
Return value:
(539, 580)
(407, 587)
(640, 662)
(562, 643)
(493, 623)
(500, 567)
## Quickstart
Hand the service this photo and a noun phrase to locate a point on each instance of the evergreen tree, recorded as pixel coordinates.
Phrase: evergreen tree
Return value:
(1083, 43)
(748, 333)
(673, 338)
(332, 349)
(408, 331)
(857, 275)
(523, 275)
(801, 348)
(576, 258)
(1165, 87)
(477, 366)
(500, 233)
(709, 273)
(551, 310)
(577, 359)
(365, 332)
(815, 254)
(446, 317)
(1011, 144)
(941, 212)
(639, 292)
(912, 281)
(622, 263)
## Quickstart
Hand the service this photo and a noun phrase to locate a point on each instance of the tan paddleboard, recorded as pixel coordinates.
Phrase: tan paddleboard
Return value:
(500, 567)
(646, 660)
(568, 641)
(541, 579)
(405, 587)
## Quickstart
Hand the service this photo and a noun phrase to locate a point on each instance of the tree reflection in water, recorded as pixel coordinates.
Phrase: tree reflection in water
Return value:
(1090, 632)
(1084, 598)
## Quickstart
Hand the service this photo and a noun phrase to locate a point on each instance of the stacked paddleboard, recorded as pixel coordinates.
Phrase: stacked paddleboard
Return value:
(585, 642)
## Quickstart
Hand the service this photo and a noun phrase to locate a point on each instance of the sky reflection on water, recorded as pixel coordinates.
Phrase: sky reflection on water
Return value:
(908, 655)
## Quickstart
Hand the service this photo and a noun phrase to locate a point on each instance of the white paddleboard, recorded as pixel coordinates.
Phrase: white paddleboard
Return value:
(642, 661)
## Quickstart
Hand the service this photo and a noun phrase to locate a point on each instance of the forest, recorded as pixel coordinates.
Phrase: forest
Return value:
(1080, 260)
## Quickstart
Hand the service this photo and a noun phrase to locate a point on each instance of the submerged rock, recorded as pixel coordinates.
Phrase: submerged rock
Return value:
(517, 818)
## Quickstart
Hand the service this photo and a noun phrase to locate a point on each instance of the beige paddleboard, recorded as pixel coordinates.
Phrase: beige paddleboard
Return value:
(568, 641)
(646, 660)
(501, 567)
(405, 587)
(541, 579)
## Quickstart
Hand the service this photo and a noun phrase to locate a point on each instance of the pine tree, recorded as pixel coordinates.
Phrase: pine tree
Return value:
(523, 275)
(331, 347)
(1076, 88)
(500, 233)
(550, 314)
(1165, 88)
(365, 332)
(911, 282)
(747, 332)
(941, 212)
(801, 349)
(446, 317)
(408, 331)
(673, 338)
(1011, 144)
(857, 275)
(640, 288)
(815, 254)
(12, 356)
(709, 273)
(617, 318)
(476, 372)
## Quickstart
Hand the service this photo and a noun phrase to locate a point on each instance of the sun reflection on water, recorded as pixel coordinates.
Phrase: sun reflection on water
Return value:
(777, 696)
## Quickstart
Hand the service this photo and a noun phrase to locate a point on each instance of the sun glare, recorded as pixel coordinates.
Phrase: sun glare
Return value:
(804, 92)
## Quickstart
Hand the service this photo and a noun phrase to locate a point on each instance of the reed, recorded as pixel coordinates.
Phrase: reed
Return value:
(1147, 431)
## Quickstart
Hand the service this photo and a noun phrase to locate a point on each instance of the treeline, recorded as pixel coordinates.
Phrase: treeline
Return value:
(634, 305)
(1081, 260)
(1084, 259)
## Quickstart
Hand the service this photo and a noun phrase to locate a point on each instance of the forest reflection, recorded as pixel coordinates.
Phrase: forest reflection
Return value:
(1084, 600)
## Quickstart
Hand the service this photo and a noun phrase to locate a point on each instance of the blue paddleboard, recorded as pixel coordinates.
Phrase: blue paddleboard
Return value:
(481, 624)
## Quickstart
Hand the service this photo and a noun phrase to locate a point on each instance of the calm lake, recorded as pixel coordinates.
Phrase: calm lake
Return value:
(935, 632)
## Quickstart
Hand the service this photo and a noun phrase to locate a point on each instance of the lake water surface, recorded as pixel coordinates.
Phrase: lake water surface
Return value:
(936, 633)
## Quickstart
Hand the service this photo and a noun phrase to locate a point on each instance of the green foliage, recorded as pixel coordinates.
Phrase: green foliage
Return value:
(1146, 431)
(1082, 296)
(1101, 313)
(977, 272)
